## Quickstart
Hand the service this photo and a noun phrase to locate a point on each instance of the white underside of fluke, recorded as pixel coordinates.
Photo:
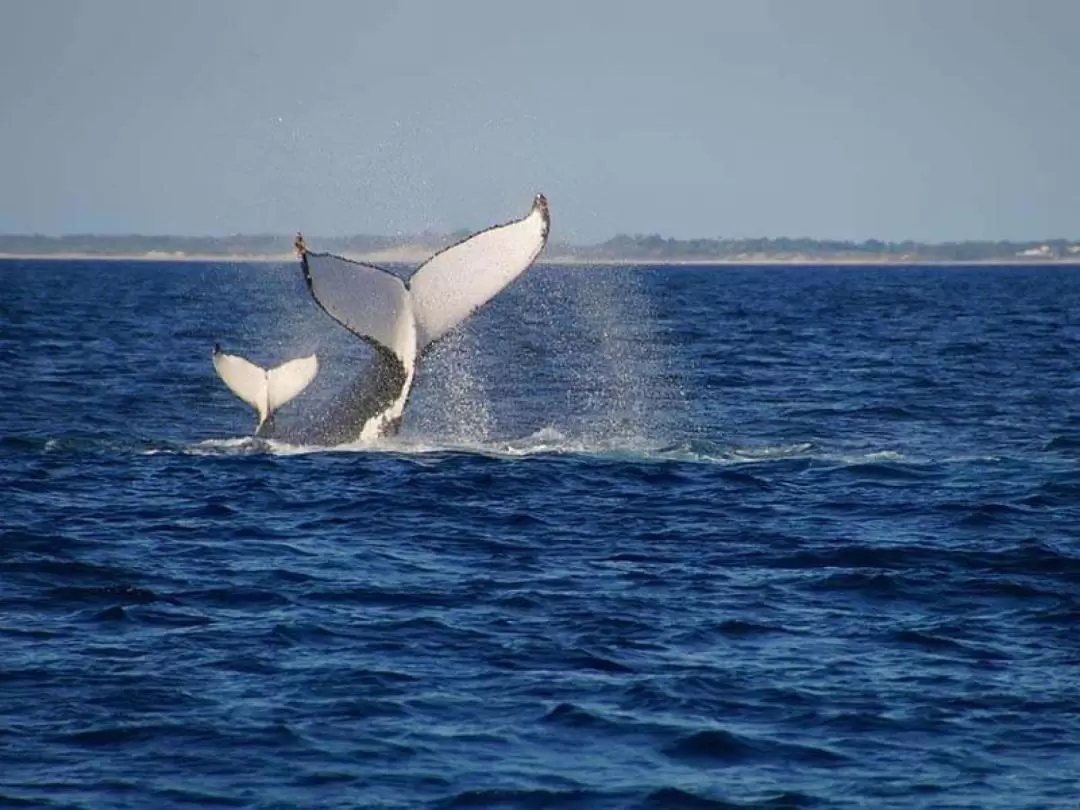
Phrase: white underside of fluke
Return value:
(456, 282)
(406, 317)
(262, 389)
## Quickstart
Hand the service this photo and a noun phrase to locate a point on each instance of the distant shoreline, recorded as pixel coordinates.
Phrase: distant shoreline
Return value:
(421, 255)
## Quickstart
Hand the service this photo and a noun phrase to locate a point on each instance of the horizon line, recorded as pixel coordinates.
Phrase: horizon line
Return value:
(463, 232)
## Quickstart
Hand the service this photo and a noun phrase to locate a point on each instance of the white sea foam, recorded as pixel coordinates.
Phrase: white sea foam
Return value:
(552, 441)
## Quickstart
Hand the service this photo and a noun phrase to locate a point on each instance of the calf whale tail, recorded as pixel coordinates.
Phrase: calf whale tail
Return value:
(265, 390)
(401, 319)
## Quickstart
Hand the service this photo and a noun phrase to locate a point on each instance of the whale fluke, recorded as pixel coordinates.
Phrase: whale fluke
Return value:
(401, 319)
(262, 389)
(457, 281)
(374, 305)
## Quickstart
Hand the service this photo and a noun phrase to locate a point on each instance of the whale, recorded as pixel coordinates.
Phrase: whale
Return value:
(265, 390)
(400, 319)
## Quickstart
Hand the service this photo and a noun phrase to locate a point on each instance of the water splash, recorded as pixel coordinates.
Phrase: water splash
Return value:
(598, 335)
(458, 408)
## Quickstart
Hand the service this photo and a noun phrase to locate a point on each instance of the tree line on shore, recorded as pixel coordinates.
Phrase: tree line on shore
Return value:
(623, 246)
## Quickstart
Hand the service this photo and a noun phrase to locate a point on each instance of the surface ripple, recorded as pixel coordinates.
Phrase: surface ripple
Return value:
(650, 538)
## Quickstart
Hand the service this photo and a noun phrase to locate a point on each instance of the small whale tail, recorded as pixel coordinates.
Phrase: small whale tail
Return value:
(265, 390)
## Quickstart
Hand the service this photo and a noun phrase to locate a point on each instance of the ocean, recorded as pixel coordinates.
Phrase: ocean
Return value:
(679, 537)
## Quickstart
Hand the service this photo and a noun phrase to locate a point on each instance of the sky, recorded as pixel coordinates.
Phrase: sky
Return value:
(932, 120)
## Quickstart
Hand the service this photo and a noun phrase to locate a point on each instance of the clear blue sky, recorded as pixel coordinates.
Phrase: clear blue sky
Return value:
(923, 119)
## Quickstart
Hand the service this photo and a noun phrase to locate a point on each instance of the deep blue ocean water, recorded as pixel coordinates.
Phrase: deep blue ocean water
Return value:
(649, 538)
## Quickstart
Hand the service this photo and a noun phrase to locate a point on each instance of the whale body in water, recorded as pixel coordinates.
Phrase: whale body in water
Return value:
(401, 319)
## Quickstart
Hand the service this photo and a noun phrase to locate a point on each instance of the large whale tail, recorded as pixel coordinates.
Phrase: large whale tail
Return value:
(458, 280)
(401, 319)
(265, 390)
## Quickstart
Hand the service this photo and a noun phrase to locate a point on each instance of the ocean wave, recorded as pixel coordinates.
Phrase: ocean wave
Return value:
(770, 541)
